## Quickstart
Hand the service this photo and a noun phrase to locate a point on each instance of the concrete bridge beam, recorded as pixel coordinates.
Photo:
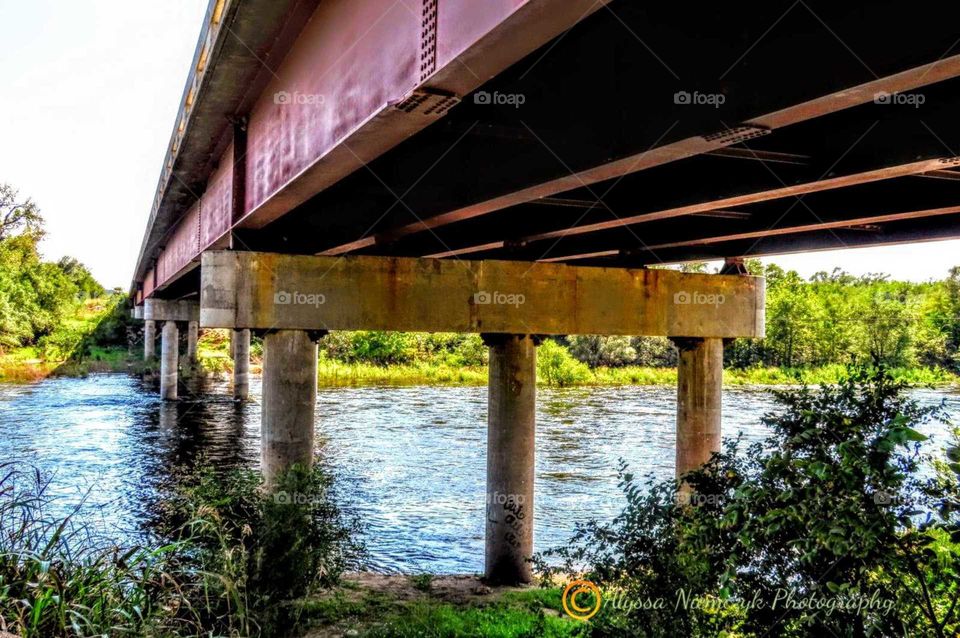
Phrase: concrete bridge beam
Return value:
(269, 291)
(699, 393)
(511, 444)
(289, 401)
(169, 360)
(182, 310)
(240, 350)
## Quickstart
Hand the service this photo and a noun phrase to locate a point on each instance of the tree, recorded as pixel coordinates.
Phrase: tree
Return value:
(35, 296)
(89, 288)
(15, 215)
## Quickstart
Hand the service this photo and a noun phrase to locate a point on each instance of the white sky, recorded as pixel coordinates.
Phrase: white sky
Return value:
(89, 90)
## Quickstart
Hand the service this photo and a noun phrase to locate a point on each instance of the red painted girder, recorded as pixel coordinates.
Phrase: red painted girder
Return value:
(355, 62)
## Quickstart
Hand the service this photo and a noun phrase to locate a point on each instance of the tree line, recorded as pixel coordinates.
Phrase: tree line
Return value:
(36, 296)
(831, 318)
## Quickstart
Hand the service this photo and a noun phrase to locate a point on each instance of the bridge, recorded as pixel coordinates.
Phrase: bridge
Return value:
(518, 168)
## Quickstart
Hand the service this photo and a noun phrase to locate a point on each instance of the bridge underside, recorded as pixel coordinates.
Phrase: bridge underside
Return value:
(641, 135)
(601, 164)
(379, 166)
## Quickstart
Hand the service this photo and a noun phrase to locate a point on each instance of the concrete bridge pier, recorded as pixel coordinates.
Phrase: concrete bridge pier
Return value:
(699, 393)
(289, 401)
(240, 351)
(170, 312)
(149, 340)
(193, 335)
(169, 360)
(511, 442)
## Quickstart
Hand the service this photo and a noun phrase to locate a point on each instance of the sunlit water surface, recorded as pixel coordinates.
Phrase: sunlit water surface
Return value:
(409, 462)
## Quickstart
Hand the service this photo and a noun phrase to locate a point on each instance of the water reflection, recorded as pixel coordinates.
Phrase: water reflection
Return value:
(409, 461)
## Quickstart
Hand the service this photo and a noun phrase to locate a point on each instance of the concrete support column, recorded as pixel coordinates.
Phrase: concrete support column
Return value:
(240, 349)
(289, 400)
(149, 340)
(169, 346)
(699, 390)
(510, 457)
(193, 335)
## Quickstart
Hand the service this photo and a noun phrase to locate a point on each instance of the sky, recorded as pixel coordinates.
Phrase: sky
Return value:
(90, 91)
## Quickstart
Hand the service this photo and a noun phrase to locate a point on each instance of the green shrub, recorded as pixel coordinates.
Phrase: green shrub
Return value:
(260, 552)
(834, 507)
(382, 348)
(556, 366)
(55, 580)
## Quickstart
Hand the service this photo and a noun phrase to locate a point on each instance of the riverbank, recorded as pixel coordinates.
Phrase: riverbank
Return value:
(95, 340)
(24, 366)
(401, 606)
(339, 374)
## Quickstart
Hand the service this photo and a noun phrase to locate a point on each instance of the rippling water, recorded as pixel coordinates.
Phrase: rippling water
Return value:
(409, 461)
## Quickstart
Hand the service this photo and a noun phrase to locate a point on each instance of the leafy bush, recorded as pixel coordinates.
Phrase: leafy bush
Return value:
(556, 366)
(595, 350)
(453, 349)
(834, 507)
(382, 348)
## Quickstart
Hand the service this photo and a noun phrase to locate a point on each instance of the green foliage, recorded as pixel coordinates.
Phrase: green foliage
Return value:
(508, 619)
(836, 317)
(79, 275)
(238, 561)
(259, 552)
(834, 507)
(396, 348)
(422, 582)
(556, 366)
(35, 296)
(54, 581)
(382, 348)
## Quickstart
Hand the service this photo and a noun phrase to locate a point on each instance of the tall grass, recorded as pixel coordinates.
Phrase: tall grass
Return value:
(235, 561)
(58, 580)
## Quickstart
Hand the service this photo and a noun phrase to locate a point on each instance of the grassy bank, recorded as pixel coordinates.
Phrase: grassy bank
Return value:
(89, 341)
(340, 374)
(379, 606)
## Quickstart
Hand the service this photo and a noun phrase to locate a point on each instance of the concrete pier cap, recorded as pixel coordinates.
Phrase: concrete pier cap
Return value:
(270, 291)
(184, 310)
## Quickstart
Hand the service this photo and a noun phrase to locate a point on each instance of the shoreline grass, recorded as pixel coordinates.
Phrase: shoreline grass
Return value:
(17, 368)
(332, 374)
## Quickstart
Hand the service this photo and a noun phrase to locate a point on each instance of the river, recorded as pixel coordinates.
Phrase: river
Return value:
(409, 462)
